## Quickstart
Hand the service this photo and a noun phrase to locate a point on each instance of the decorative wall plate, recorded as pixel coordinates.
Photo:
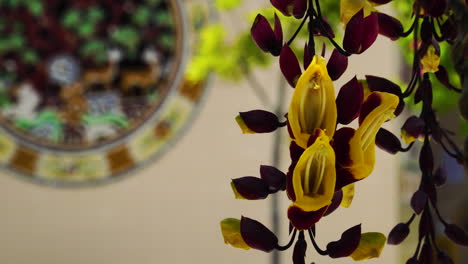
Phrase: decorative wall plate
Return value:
(90, 89)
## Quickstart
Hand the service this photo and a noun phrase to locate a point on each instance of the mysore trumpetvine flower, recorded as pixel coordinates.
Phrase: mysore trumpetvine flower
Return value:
(313, 103)
(314, 176)
(356, 148)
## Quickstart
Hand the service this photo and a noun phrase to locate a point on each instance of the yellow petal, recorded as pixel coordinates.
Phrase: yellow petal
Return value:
(348, 195)
(314, 176)
(230, 228)
(348, 8)
(430, 62)
(362, 144)
(370, 246)
(407, 138)
(313, 103)
(245, 129)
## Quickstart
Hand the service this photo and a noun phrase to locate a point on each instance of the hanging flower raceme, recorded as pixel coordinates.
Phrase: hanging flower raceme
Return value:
(328, 158)
(311, 181)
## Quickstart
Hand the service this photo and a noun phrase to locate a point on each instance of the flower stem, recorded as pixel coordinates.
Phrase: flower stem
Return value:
(317, 248)
(298, 29)
(291, 241)
(310, 13)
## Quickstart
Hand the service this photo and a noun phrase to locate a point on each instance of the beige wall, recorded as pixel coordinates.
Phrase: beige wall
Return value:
(170, 211)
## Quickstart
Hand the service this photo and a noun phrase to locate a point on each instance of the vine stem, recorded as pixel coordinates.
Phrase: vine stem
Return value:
(326, 33)
(291, 241)
(314, 243)
(298, 30)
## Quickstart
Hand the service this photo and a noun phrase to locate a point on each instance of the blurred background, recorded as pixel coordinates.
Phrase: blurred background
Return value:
(169, 211)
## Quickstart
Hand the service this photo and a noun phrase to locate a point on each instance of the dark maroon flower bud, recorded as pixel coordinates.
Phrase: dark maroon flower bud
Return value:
(275, 178)
(438, 8)
(426, 256)
(337, 65)
(443, 78)
(443, 258)
(289, 65)
(379, 84)
(426, 224)
(418, 201)
(336, 201)
(291, 7)
(349, 101)
(412, 129)
(323, 29)
(250, 188)
(380, 2)
(431, 192)
(257, 236)
(418, 95)
(348, 242)
(389, 26)
(426, 30)
(387, 141)
(257, 121)
(264, 36)
(284, 6)
(300, 7)
(440, 176)
(361, 32)
(308, 56)
(303, 220)
(456, 234)
(299, 252)
(291, 134)
(449, 29)
(295, 151)
(398, 234)
(412, 260)
(289, 185)
(426, 159)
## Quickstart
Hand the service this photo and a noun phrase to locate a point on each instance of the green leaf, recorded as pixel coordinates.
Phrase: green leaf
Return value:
(142, 16)
(163, 18)
(72, 18)
(30, 56)
(86, 30)
(95, 14)
(35, 7)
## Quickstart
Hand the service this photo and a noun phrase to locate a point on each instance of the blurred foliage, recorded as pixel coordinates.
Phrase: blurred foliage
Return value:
(215, 43)
(227, 4)
(35, 7)
(443, 98)
(239, 53)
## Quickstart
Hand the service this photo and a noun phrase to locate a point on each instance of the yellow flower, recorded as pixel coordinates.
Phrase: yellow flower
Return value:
(314, 176)
(348, 8)
(313, 103)
(431, 60)
(230, 228)
(362, 144)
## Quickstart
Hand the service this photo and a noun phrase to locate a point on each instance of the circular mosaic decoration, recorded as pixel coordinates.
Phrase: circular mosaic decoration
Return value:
(90, 89)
